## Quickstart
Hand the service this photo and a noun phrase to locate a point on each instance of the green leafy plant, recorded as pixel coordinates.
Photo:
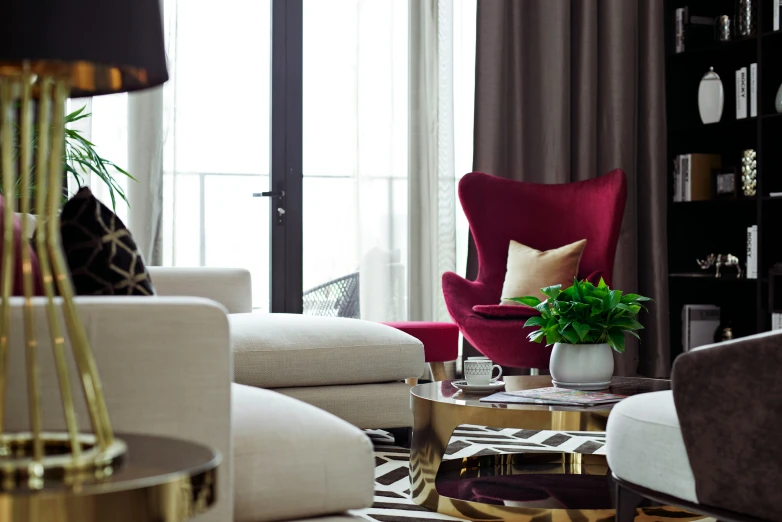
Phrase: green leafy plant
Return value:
(584, 314)
(79, 157)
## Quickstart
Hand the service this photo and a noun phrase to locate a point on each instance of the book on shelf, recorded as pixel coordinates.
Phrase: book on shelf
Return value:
(699, 322)
(753, 90)
(555, 396)
(677, 179)
(692, 176)
(681, 15)
(776, 321)
(775, 4)
(751, 264)
(741, 93)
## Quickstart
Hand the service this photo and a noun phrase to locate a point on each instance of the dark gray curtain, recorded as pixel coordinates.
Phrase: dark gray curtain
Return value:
(568, 90)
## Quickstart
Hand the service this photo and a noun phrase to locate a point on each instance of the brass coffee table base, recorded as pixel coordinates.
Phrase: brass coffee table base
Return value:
(434, 420)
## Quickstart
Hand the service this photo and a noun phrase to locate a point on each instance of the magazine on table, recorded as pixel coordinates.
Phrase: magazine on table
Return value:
(555, 396)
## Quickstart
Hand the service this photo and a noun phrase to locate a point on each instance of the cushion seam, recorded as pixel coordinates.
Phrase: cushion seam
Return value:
(647, 421)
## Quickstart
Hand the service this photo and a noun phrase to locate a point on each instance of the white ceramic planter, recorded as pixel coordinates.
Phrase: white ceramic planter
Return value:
(582, 366)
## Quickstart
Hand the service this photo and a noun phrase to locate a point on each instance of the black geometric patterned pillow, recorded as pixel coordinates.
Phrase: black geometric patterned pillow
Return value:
(101, 253)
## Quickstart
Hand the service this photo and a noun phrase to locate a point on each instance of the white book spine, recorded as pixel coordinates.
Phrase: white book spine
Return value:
(755, 250)
(680, 30)
(775, 4)
(753, 90)
(677, 179)
(776, 321)
(751, 263)
(748, 262)
(686, 185)
(741, 93)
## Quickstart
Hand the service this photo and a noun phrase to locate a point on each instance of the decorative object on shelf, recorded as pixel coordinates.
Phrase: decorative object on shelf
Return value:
(745, 18)
(749, 172)
(583, 322)
(43, 64)
(778, 100)
(723, 28)
(724, 183)
(724, 332)
(718, 261)
(711, 97)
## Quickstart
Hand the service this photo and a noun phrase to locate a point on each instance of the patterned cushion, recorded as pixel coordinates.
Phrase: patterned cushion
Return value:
(101, 253)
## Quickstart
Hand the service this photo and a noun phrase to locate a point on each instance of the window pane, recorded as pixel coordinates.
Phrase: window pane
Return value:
(222, 56)
(237, 229)
(217, 137)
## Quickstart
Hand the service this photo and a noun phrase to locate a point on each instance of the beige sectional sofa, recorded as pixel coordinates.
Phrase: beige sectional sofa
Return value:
(167, 365)
(354, 369)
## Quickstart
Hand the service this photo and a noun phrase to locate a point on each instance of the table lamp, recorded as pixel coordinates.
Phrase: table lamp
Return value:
(50, 50)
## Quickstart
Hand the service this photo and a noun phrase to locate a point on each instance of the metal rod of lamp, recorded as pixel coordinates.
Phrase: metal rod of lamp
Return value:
(33, 454)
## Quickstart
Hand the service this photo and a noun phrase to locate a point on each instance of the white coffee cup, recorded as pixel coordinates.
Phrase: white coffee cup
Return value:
(478, 371)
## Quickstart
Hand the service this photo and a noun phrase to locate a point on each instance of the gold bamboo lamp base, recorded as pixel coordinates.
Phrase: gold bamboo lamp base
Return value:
(21, 469)
(27, 459)
(47, 55)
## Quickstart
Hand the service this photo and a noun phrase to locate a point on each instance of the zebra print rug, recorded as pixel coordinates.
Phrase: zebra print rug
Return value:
(392, 488)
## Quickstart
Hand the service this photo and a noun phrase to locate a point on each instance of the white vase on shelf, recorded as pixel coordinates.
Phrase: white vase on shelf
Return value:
(711, 97)
(778, 100)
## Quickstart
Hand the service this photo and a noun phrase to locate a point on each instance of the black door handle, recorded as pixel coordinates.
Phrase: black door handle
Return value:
(270, 194)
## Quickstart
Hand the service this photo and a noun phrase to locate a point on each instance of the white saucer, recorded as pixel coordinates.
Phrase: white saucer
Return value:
(479, 388)
(583, 386)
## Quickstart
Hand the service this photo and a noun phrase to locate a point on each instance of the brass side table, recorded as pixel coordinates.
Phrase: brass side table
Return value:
(439, 408)
(161, 480)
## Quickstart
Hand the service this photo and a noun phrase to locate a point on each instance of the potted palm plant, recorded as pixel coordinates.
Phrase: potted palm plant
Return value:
(79, 157)
(583, 322)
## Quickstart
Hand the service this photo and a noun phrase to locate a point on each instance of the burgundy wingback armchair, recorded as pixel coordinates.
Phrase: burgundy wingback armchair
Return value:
(541, 216)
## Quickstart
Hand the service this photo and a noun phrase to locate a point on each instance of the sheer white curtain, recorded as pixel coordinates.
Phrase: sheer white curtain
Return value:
(442, 64)
(355, 99)
(383, 117)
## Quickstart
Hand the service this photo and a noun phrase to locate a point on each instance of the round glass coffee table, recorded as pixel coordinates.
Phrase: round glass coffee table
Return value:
(439, 408)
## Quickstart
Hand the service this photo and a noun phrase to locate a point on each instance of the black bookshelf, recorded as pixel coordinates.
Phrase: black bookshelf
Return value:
(698, 228)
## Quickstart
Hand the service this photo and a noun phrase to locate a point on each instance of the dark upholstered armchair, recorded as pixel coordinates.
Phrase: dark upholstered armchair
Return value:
(539, 216)
(711, 445)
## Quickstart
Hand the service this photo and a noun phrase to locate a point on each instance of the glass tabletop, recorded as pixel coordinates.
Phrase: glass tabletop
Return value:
(446, 392)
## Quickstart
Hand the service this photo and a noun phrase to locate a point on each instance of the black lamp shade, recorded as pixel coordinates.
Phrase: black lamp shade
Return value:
(104, 46)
